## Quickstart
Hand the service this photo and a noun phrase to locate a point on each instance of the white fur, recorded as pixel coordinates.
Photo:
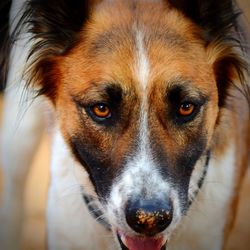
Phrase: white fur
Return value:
(142, 62)
(70, 225)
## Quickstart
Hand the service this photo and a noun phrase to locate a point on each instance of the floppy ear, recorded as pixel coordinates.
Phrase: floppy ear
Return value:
(55, 28)
(218, 21)
(56, 22)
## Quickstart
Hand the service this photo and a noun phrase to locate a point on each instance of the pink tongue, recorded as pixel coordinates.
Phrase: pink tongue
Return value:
(143, 244)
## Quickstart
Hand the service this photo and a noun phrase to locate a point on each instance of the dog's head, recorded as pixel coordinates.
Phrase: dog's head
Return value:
(137, 87)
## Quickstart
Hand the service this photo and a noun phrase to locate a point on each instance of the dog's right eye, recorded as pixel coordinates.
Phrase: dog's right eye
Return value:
(101, 111)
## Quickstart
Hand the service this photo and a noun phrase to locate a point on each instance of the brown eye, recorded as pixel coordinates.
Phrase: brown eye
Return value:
(186, 109)
(101, 111)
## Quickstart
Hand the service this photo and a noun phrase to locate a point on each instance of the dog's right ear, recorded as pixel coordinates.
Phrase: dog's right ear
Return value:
(56, 23)
(55, 27)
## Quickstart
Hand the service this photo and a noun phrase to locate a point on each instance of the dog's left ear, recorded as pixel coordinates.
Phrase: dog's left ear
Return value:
(213, 16)
(218, 21)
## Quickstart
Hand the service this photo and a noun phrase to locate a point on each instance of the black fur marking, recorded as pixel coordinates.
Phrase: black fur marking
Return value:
(181, 91)
(4, 38)
(98, 167)
(204, 173)
(202, 178)
(178, 169)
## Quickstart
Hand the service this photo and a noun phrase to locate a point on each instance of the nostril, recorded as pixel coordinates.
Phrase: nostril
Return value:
(149, 217)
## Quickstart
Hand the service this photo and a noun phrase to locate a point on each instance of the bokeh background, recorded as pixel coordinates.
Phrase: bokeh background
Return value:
(34, 226)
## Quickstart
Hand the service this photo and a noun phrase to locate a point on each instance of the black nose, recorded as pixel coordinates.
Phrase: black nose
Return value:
(149, 217)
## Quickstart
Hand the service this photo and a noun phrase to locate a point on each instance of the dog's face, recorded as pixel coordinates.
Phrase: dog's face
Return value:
(142, 100)
(137, 100)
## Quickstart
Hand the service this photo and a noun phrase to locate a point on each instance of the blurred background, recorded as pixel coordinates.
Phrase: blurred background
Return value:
(34, 226)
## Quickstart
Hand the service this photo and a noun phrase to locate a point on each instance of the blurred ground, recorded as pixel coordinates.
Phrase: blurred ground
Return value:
(34, 236)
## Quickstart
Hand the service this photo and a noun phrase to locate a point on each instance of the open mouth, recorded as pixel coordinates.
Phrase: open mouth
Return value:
(141, 243)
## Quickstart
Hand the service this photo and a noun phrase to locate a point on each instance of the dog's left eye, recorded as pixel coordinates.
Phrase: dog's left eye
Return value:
(101, 111)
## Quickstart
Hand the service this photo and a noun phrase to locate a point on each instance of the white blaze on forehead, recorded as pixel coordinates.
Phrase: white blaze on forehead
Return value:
(141, 171)
(142, 62)
(142, 73)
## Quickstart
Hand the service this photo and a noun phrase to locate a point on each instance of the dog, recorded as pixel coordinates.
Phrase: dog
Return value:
(147, 105)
